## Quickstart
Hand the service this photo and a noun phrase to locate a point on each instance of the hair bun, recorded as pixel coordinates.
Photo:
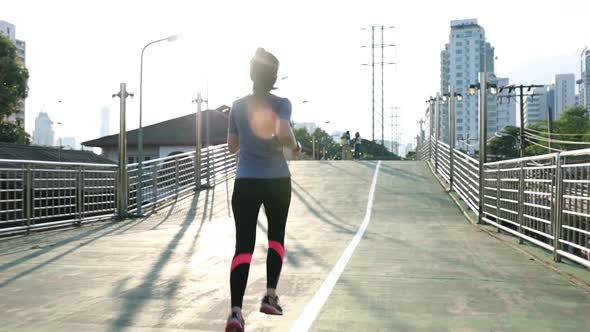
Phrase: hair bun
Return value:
(260, 51)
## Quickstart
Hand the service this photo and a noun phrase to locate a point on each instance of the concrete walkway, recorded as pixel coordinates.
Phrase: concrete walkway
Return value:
(419, 267)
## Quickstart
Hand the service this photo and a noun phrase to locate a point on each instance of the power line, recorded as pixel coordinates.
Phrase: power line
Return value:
(554, 134)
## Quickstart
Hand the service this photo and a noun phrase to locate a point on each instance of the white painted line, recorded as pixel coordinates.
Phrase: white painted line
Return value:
(312, 310)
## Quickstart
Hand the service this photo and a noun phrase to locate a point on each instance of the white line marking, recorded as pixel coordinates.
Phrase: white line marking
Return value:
(312, 310)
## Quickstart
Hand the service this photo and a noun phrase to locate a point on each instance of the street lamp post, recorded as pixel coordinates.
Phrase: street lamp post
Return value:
(483, 86)
(451, 96)
(140, 131)
(123, 185)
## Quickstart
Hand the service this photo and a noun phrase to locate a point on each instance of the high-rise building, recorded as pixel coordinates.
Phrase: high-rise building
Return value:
(536, 107)
(585, 78)
(565, 93)
(43, 133)
(506, 109)
(105, 121)
(464, 57)
(9, 30)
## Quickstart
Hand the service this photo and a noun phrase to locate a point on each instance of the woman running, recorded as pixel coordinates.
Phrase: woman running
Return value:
(259, 130)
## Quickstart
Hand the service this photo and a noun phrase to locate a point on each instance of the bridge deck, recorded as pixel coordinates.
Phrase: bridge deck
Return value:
(420, 265)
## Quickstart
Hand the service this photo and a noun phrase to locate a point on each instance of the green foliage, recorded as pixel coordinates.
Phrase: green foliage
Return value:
(411, 155)
(374, 150)
(505, 147)
(322, 140)
(14, 133)
(13, 89)
(13, 78)
(574, 120)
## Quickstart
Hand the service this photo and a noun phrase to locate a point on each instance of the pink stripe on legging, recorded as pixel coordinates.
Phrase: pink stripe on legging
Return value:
(241, 259)
(276, 246)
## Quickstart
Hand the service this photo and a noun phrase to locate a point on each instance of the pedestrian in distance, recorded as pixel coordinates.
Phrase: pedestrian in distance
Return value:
(259, 130)
(345, 142)
(357, 145)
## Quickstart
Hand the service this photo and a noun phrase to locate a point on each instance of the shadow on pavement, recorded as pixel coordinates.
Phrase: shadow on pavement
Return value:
(115, 227)
(135, 299)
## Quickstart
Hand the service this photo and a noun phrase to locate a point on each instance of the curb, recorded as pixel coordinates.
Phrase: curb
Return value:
(472, 219)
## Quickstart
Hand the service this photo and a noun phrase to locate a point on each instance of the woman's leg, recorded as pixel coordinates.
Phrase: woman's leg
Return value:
(246, 203)
(276, 206)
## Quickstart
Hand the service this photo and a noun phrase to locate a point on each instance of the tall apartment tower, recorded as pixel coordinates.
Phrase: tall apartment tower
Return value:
(536, 108)
(585, 78)
(9, 30)
(43, 133)
(565, 93)
(104, 121)
(464, 57)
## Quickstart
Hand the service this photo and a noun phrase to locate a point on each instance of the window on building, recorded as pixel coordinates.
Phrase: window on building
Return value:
(459, 44)
(459, 52)
(459, 74)
(459, 82)
(459, 67)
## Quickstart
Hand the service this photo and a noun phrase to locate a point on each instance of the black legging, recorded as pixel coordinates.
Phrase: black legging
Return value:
(248, 196)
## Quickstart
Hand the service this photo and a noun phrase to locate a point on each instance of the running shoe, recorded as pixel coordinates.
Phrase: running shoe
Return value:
(235, 323)
(270, 305)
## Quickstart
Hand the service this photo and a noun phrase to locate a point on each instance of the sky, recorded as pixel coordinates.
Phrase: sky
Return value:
(78, 52)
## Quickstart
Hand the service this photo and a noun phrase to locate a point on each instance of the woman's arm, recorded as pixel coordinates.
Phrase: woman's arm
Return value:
(233, 139)
(233, 143)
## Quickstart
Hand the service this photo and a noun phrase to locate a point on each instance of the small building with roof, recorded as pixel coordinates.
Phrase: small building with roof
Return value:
(169, 137)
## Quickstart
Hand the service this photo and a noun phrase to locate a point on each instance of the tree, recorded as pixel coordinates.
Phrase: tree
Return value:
(322, 140)
(13, 89)
(411, 155)
(573, 124)
(506, 146)
(374, 150)
(14, 133)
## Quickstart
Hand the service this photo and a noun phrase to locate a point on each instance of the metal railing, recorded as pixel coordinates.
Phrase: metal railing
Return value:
(39, 195)
(544, 200)
(36, 194)
(174, 176)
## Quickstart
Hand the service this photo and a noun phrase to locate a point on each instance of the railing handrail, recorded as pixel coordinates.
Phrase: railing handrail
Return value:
(531, 158)
(55, 163)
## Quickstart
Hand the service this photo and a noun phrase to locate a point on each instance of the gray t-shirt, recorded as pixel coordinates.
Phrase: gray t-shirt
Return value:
(254, 120)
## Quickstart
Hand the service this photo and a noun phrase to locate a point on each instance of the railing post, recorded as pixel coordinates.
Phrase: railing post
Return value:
(557, 212)
(29, 196)
(498, 197)
(521, 197)
(155, 184)
(199, 144)
(437, 129)
(176, 182)
(80, 195)
(452, 136)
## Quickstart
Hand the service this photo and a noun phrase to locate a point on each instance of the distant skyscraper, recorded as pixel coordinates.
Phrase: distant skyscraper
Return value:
(585, 78)
(104, 121)
(536, 108)
(506, 109)
(464, 57)
(565, 93)
(68, 143)
(43, 133)
(9, 30)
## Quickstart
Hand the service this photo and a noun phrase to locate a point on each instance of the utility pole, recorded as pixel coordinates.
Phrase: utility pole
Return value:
(373, 76)
(522, 94)
(373, 63)
(382, 93)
